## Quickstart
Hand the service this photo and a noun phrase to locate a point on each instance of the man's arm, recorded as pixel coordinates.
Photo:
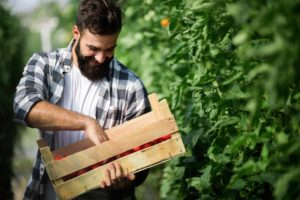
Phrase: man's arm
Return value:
(46, 116)
(31, 102)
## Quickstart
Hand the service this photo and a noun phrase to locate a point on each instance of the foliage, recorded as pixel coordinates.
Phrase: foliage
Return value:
(236, 99)
(10, 69)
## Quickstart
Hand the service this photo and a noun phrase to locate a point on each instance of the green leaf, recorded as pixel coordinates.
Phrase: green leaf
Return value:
(258, 70)
(240, 38)
(224, 121)
(265, 152)
(189, 160)
(237, 184)
(235, 92)
(174, 22)
(235, 77)
(181, 69)
(282, 184)
(202, 182)
(213, 113)
(282, 138)
(172, 3)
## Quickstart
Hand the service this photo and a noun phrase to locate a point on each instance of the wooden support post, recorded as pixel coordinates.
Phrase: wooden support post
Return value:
(155, 105)
(164, 108)
(47, 158)
(45, 151)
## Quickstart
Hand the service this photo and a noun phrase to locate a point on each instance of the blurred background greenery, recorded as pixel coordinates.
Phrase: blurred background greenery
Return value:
(229, 70)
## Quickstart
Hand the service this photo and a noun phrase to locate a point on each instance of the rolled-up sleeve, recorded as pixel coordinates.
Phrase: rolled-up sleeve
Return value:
(32, 87)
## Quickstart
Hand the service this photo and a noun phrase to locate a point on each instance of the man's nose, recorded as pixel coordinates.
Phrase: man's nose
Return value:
(100, 56)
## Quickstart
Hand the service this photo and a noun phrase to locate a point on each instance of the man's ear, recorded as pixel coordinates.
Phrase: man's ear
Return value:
(76, 33)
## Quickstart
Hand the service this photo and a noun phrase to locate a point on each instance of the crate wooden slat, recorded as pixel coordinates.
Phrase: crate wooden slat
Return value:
(143, 129)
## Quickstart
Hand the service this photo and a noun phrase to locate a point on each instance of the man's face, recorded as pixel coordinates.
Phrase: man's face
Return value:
(94, 53)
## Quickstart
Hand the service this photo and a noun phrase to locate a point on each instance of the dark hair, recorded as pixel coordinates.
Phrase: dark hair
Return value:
(101, 17)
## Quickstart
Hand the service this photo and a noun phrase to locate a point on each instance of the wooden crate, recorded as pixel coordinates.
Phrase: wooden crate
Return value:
(66, 174)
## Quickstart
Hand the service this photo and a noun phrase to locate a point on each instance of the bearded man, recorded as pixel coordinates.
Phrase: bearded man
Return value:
(79, 91)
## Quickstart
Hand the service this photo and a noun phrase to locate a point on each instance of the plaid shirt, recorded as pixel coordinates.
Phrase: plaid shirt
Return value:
(122, 97)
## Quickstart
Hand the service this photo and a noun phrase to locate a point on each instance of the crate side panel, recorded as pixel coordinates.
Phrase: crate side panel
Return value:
(139, 160)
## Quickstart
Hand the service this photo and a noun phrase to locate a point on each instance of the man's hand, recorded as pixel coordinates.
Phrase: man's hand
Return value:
(117, 178)
(95, 132)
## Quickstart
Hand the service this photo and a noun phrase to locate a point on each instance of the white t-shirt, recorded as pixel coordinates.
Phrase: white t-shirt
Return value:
(79, 95)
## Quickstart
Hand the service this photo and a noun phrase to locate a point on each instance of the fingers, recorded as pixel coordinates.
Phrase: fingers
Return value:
(102, 135)
(95, 139)
(119, 172)
(107, 180)
(112, 172)
(130, 176)
(95, 132)
(115, 177)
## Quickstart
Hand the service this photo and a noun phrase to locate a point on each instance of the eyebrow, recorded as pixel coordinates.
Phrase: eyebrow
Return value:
(94, 47)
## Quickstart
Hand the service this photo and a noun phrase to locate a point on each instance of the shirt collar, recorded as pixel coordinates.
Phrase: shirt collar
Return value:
(66, 61)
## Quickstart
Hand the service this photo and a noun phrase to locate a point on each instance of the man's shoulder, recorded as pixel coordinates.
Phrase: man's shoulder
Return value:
(124, 73)
(49, 56)
(125, 78)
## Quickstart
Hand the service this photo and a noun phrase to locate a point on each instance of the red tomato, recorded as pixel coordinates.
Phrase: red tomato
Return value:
(156, 141)
(97, 165)
(164, 22)
(149, 144)
(82, 171)
(124, 154)
(127, 152)
(136, 148)
(165, 137)
(58, 157)
(70, 176)
(94, 166)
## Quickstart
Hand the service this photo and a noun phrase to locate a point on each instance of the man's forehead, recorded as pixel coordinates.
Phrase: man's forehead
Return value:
(101, 41)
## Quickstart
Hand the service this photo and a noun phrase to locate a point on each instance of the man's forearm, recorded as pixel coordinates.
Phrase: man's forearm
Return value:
(47, 116)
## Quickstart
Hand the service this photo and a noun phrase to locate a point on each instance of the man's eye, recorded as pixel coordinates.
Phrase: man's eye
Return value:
(110, 49)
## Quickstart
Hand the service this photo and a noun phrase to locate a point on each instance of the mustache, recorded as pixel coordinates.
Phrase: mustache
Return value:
(89, 59)
(86, 60)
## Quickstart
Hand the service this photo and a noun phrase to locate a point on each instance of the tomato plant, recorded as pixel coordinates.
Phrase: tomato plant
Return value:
(236, 98)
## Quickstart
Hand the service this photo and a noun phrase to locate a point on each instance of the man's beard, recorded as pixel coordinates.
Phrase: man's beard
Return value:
(93, 72)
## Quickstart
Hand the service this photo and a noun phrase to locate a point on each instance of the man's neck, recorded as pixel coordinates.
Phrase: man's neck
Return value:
(74, 55)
